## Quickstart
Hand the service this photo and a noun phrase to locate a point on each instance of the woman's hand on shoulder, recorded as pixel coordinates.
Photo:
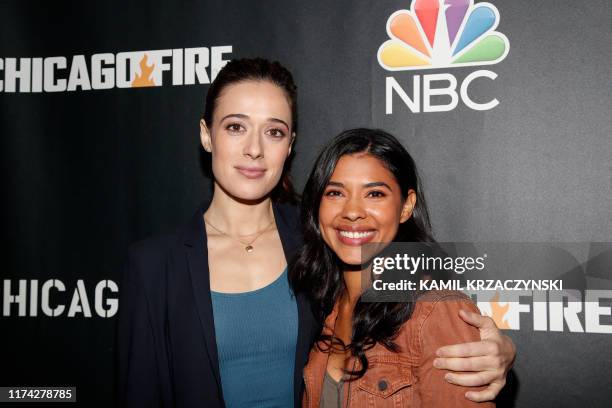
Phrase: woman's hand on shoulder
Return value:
(485, 362)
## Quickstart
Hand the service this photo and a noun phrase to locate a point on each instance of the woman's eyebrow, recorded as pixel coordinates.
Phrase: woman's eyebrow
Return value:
(235, 115)
(279, 121)
(377, 184)
(243, 116)
(366, 185)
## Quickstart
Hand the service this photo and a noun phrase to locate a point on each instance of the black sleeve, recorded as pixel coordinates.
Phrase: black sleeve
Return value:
(138, 377)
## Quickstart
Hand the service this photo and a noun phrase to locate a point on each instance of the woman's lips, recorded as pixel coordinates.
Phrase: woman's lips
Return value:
(355, 237)
(251, 172)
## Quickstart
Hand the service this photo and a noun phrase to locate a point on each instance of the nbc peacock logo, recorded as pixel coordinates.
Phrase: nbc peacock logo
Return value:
(443, 34)
(437, 34)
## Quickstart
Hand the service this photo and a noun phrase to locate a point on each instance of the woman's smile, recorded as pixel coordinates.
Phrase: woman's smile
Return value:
(355, 235)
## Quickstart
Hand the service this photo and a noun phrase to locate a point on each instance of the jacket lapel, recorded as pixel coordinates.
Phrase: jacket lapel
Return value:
(197, 260)
(286, 218)
(314, 372)
(287, 222)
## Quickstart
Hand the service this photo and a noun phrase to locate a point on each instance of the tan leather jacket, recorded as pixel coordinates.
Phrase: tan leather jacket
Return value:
(407, 378)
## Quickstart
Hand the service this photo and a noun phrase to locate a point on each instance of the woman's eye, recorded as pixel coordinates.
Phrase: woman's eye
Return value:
(333, 193)
(376, 194)
(276, 133)
(234, 127)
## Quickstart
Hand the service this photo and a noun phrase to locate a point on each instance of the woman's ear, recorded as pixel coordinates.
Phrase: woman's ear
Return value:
(291, 143)
(205, 136)
(408, 207)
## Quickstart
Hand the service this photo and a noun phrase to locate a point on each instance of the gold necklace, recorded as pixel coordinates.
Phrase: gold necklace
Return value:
(248, 245)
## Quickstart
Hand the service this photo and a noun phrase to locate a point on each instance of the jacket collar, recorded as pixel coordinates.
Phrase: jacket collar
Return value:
(195, 242)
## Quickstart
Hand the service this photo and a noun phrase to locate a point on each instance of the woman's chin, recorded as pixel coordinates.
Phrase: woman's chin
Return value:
(249, 194)
(252, 198)
(351, 261)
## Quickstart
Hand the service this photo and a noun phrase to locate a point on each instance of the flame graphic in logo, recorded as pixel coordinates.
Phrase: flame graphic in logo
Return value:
(143, 80)
(498, 312)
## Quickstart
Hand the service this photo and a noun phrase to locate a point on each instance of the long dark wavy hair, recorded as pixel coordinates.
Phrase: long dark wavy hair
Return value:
(317, 271)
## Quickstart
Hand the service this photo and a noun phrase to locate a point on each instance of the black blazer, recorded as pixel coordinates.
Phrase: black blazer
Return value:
(167, 352)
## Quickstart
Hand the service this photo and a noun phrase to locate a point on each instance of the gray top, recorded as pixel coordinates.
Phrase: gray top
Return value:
(331, 397)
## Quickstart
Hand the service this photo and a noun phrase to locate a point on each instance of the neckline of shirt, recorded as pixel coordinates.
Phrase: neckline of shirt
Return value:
(255, 291)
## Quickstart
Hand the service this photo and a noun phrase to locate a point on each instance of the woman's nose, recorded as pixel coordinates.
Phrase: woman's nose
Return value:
(353, 209)
(253, 147)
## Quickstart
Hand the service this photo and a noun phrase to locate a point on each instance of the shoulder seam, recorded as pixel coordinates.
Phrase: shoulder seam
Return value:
(432, 305)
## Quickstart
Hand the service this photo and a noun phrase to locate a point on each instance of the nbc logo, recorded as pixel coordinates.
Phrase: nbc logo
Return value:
(450, 34)
(437, 34)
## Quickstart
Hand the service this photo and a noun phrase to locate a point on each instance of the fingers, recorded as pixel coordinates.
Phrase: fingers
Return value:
(481, 363)
(508, 351)
(471, 379)
(474, 349)
(477, 320)
(487, 394)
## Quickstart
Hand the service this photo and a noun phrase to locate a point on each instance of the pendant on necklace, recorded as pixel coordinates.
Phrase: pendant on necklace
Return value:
(249, 248)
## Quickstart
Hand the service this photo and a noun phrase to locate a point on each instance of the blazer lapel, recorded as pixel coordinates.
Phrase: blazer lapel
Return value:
(289, 231)
(197, 259)
(287, 223)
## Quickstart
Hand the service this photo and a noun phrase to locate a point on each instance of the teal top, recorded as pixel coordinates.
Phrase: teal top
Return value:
(256, 336)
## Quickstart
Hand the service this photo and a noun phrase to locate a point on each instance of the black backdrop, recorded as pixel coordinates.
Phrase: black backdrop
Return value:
(86, 172)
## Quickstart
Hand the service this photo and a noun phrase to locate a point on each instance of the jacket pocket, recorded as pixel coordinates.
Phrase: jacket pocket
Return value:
(388, 382)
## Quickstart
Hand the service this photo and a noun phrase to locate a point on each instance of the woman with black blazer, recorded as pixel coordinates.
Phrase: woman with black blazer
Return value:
(206, 317)
(198, 305)
(168, 353)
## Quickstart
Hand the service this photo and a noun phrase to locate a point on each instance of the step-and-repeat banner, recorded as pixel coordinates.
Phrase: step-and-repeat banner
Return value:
(505, 106)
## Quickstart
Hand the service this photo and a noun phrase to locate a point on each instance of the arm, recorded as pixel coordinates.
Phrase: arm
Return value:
(138, 382)
(484, 362)
(441, 327)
